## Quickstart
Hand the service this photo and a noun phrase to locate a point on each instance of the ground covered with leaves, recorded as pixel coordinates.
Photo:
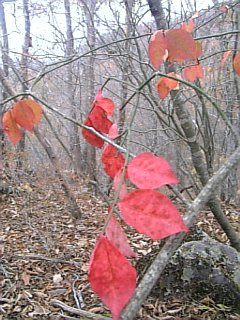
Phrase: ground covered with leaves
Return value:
(44, 257)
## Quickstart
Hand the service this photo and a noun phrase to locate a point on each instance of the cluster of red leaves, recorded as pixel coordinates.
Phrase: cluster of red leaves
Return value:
(111, 275)
(98, 119)
(25, 114)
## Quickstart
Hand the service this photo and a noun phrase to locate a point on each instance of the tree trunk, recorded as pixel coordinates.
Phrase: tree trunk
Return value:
(89, 8)
(75, 149)
(5, 55)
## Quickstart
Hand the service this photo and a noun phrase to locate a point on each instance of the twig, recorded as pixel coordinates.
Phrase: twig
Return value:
(43, 258)
(86, 314)
(77, 294)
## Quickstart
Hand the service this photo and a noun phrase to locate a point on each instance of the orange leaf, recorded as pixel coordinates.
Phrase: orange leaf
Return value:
(157, 48)
(181, 46)
(165, 85)
(189, 27)
(236, 63)
(10, 127)
(23, 115)
(193, 73)
(36, 109)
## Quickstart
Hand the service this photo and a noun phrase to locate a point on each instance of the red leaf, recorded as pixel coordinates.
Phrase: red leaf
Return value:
(111, 276)
(181, 46)
(10, 127)
(117, 236)
(105, 103)
(99, 120)
(193, 73)
(113, 131)
(112, 160)
(157, 48)
(23, 115)
(236, 63)
(147, 171)
(90, 136)
(116, 182)
(165, 85)
(151, 213)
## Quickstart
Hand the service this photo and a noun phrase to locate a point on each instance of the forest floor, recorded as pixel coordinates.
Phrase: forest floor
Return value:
(46, 256)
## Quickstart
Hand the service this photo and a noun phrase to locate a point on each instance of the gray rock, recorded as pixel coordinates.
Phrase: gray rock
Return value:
(203, 268)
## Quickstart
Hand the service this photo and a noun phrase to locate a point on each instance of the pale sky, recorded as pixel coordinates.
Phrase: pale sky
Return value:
(42, 34)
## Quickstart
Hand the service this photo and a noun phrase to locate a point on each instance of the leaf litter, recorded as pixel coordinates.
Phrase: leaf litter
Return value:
(45, 253)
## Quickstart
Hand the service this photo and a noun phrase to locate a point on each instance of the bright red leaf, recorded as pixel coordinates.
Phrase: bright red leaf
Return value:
(105, 103)
(112, 160)
(117, 236)
(157, 48)
(111, 276)
(193, 73)
(91, 137)
(151, 213)
(236, 63)
(99, 120)
(11, 128)
(147, 171)
(165, 85)
(181, 46)
(23, 115)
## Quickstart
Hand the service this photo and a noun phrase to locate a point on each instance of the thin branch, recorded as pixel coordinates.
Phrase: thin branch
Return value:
(38, 257)
(86, 314)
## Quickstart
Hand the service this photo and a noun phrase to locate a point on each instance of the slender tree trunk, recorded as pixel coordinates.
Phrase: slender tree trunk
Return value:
(75, 149)
(24, 72)
(89, 8)
(5, 55)
(126, 67)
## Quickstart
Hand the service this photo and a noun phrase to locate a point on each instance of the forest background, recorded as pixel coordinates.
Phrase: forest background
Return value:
(84, 46)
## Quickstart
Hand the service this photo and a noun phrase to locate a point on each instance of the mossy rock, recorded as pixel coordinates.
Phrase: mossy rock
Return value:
(203, 268)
